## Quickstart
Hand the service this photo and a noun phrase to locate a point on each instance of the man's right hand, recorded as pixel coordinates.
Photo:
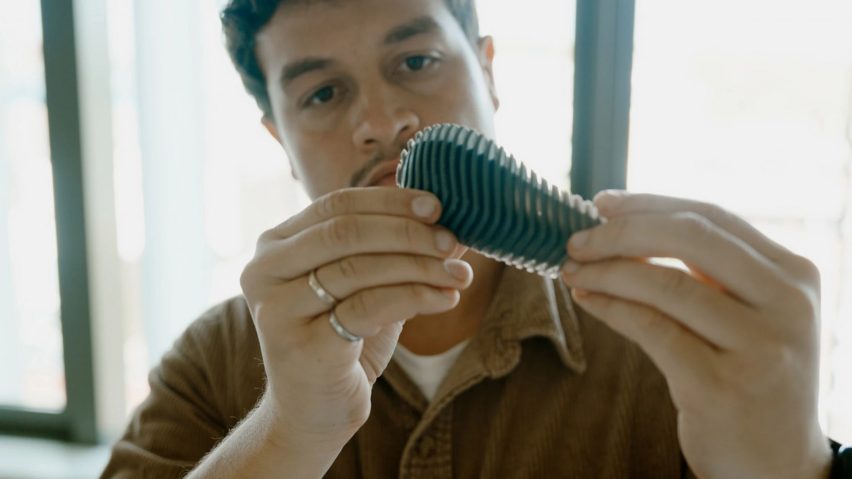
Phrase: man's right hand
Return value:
(379, 252)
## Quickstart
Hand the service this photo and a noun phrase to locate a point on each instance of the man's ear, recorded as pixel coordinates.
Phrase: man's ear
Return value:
(486, 61)
(269, 124)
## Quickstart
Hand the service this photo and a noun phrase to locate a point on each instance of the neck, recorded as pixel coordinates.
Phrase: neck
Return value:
(436, 333)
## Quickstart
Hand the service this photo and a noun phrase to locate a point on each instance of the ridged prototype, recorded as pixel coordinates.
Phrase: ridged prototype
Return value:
(492, 202)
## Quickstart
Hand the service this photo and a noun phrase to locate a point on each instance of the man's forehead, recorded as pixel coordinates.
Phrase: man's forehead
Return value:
(311, 28)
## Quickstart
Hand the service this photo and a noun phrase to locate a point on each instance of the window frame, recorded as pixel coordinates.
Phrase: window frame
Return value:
(603, 62)
(77, 422)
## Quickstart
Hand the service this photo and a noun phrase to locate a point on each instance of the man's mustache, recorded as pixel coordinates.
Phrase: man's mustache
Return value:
(360, 174)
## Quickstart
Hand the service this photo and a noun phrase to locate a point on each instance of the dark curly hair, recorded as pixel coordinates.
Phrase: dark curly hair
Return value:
(243, 19)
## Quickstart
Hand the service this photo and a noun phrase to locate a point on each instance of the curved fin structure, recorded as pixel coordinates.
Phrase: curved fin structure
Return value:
(492, 202)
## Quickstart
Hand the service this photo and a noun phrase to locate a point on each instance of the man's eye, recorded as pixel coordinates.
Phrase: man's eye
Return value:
(418, 62)
(322, 96)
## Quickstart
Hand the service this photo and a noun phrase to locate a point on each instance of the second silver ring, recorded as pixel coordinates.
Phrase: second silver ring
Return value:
(341, 330)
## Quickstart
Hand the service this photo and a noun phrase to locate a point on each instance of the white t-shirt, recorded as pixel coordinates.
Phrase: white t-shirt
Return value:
(428, 372)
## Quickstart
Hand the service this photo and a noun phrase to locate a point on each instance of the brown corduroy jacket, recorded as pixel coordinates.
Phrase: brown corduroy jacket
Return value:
(542, 390)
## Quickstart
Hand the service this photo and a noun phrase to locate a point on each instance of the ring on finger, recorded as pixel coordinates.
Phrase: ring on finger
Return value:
(341, 330)
(319, 290)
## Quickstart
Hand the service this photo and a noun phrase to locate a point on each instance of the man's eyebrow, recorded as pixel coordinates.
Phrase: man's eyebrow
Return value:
(418, 26)
(293, 70)
(415, 27)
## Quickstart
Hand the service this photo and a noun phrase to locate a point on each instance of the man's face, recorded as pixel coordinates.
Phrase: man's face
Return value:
(350, 82)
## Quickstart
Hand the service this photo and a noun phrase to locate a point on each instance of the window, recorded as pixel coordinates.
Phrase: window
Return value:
(534, 73)
(46, 372)
(32, 375)
(753, 110)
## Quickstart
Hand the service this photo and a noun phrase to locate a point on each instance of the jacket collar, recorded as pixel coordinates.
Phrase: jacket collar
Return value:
(524, 306)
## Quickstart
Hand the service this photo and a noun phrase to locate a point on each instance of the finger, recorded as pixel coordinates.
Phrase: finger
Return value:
(380, 350)
(356, 273)
(615, 203)
(351, 235)
(365, 313)
(717, 318)
(683, 358)
(408, 203)
(691, 238)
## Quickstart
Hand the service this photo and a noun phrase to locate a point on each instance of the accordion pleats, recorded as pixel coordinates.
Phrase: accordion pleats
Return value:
(492, 202)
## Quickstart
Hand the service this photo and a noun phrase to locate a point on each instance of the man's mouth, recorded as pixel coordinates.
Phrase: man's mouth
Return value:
(383, 174)
(387, 180)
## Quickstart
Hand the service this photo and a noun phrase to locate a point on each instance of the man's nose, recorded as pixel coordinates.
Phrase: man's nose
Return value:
(383, 122)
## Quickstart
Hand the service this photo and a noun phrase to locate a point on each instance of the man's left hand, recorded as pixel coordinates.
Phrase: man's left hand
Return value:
(736, 335)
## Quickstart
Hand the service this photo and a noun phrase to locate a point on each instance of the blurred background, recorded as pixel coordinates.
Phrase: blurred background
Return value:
(146, 164)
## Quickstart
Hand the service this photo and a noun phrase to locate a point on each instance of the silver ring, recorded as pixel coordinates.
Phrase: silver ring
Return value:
(321, 292)
(340, 330)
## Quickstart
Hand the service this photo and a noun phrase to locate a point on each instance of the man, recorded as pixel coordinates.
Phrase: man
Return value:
(296, 379)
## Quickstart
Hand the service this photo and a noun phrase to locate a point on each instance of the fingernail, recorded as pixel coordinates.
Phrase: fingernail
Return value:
(570, 267)
(424, 206)
(457, 268)
(609, 199)
(450, 293)
(580, 293)
(445, 241)
(578, 240)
